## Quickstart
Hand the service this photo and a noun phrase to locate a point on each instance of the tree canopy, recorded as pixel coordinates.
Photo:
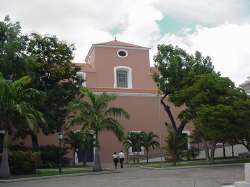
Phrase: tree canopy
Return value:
(177, 72)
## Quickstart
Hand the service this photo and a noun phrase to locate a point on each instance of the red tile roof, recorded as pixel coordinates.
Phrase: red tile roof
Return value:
(86, 67)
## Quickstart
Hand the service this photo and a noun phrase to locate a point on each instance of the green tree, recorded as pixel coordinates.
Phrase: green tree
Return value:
(93, 113)
(14, 109)
(133, 140)
(149, 141)
(177, 71)
(209, 99)
(215, 124)
(49, 62)
(56, 75)
(175, 145)
(241, 121)
(14, 61)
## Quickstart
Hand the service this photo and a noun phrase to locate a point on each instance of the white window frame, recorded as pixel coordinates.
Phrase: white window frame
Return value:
(126, 68)
(124, 51)
(84, 76)
(188, 133)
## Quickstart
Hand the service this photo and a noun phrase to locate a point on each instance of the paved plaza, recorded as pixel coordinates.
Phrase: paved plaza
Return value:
(138, 177)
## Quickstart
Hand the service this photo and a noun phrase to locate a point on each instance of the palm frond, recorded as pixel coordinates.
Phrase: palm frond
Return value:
(114, 126)
(117, 112)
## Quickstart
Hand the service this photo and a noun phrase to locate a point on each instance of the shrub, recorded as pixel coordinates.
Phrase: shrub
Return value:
(50, 156)
(24, 162)
(175, 146)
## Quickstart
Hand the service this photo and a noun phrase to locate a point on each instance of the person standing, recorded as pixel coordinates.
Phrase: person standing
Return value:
(121, 158)
(115, 159)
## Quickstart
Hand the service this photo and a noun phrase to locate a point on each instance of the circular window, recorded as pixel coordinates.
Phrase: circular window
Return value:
(122, 53)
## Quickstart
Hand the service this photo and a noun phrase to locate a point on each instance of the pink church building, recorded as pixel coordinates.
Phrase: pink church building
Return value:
(124, 69)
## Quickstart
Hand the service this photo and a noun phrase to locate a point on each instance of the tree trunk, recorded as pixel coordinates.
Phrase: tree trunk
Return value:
(224, 151)
(212, 151)
(138, 157)
(97, 161)
(74, 157)
(84, 158)
(34, 140)
(147, 155)
(178, 128)
(232, 146)
(246, 145)
(127, 156)
(206, 149)
(5, 169)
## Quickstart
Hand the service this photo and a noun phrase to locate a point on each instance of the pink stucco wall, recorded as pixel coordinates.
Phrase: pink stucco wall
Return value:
(104, 59)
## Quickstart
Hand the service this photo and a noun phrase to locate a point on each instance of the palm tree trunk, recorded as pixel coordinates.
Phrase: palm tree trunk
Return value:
(34, 140)
(84, 158)
(74, 157)
(147, 155)
(224, 150)
(97, 161)
(5, 169)
(127, 156)
(232, 150)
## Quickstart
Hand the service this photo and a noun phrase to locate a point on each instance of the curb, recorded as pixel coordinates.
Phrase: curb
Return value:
(56, 176)
(190, 167)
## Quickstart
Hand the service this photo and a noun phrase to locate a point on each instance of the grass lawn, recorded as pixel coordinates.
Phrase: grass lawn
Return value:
(54, 171)
(194, 163)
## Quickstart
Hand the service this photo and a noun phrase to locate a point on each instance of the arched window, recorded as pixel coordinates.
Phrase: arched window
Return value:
(122, 77)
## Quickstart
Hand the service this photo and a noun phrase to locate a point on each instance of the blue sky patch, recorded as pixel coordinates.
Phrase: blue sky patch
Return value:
(171, 25)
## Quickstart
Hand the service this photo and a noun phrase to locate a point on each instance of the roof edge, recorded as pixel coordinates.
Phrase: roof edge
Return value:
(113, 46)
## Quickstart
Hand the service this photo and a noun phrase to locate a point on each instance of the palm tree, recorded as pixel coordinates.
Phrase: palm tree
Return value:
(133, 140)
(14, 107)
(148, 141)
(74, 139)
(94, 114)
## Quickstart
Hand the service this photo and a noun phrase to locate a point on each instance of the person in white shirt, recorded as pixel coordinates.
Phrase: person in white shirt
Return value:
(115, 159)
(121, 158)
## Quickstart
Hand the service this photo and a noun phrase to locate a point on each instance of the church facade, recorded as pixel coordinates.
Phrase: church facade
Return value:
(124, 69)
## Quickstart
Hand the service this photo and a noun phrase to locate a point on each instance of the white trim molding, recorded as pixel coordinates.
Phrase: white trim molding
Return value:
(188, 133)
(129, 70)
(124, 50)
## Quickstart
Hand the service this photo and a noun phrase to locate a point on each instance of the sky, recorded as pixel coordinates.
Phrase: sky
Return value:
(218, 28)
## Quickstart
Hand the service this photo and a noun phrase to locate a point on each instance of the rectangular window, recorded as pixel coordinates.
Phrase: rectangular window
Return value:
(82, 77)
(122, 78)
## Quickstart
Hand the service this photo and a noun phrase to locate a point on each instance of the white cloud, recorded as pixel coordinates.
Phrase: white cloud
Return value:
(212, 12)
(84, 22)
(142, 25)
(228, 45)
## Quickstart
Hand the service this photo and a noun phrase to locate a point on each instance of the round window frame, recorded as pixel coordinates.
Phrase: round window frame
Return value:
(124, 50)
